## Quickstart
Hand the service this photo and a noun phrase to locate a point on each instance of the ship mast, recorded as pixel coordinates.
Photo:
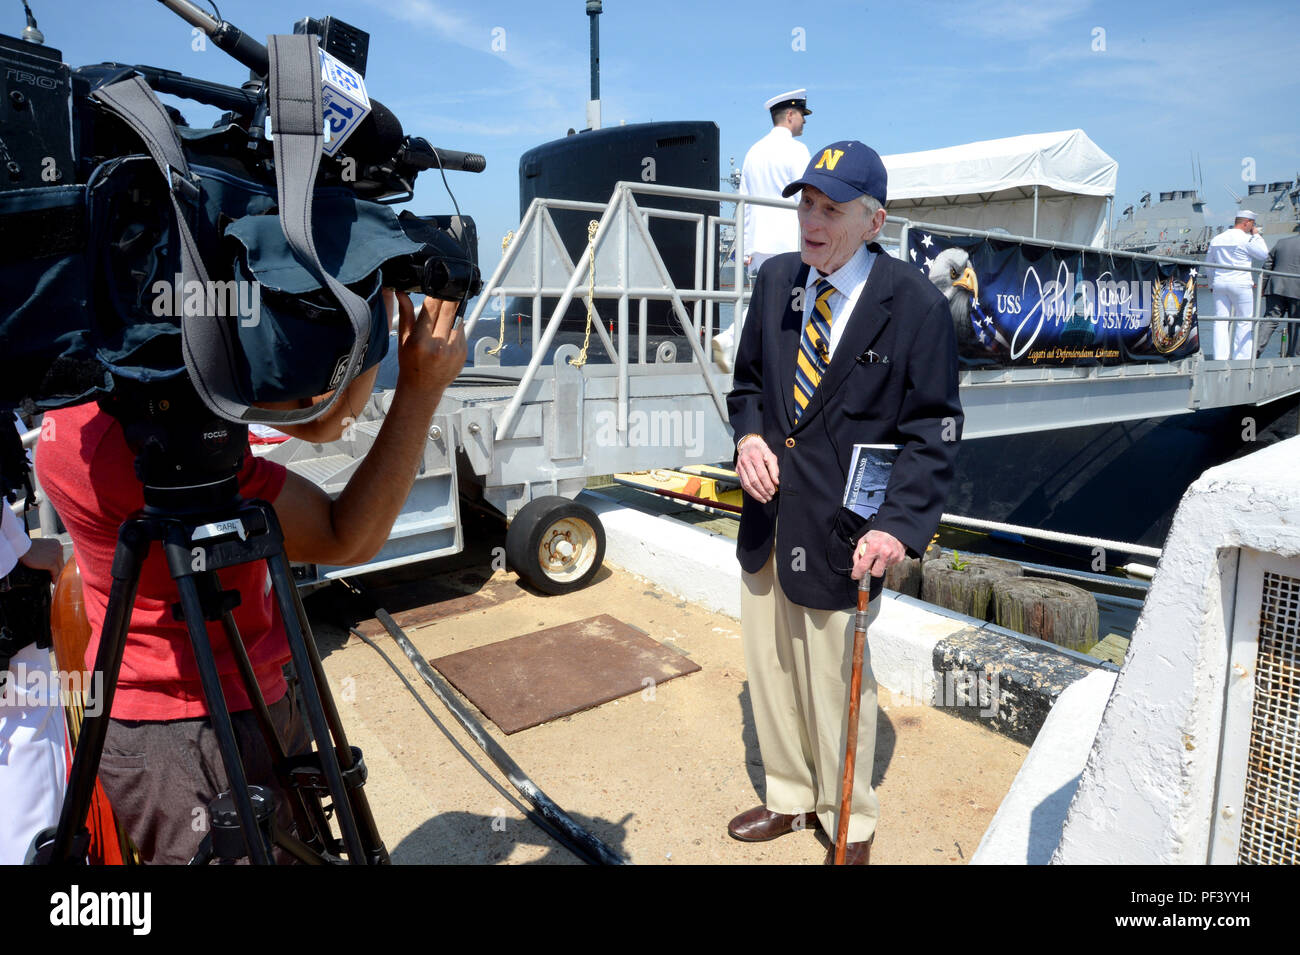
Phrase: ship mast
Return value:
(593, 104)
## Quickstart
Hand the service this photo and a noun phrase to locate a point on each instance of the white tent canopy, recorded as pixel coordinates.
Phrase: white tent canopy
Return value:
(1054, 185)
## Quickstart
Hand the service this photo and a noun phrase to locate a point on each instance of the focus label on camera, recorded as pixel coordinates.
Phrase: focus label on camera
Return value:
(343, 92)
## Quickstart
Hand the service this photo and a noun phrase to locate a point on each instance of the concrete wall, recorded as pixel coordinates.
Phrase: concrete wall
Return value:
(1148, 790)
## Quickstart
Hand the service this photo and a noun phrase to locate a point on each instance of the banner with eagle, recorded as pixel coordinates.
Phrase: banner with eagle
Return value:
(1016, 304)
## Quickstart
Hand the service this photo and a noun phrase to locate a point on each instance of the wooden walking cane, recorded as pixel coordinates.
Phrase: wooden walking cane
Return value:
(855, 708)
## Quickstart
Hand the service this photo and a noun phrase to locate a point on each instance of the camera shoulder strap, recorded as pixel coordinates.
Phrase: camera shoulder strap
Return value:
(297, 124)
(210, 344)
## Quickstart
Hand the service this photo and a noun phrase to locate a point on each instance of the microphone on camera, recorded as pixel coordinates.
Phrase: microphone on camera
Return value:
(418, 153)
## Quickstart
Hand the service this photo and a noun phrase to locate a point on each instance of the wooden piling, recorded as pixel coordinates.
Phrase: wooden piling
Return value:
(905, 577)
(1048, 609)
(967, 588)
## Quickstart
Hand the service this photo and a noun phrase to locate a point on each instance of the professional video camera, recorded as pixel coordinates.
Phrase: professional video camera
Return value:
(135, 247)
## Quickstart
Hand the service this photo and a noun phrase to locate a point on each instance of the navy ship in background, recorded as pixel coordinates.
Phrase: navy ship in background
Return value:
(1173, 226)
(1176, 225)
(1276, 206)
(1123, 481)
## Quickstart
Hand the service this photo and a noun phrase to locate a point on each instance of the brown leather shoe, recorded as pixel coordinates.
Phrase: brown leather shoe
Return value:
(761, 824)
(855, 853)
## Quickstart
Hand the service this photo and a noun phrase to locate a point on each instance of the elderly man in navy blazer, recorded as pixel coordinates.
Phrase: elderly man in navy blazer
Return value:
(844, 345)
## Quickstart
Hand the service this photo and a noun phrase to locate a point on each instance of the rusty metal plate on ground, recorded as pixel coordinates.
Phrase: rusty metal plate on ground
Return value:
(550, 673)
(416, 603)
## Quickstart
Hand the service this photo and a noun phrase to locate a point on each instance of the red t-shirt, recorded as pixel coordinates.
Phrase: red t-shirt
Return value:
(88, 472)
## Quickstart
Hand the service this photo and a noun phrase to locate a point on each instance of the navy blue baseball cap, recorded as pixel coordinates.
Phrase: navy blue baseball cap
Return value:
(844, 171)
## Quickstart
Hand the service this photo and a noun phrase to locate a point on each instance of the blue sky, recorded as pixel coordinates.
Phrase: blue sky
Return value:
(1153, 83)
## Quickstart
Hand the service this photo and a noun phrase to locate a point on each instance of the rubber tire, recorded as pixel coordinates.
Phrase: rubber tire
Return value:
(528, 530)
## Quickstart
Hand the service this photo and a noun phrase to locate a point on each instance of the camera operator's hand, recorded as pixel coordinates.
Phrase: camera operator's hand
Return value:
(430, 346)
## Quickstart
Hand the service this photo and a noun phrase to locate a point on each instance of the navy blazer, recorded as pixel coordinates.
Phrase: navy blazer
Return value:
(908, 398)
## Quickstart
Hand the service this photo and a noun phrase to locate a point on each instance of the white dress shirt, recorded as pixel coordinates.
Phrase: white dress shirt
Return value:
(849, 280)
(771, 164)
(1234, 247)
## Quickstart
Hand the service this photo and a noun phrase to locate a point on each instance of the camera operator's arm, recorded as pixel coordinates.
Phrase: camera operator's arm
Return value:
(352, 528)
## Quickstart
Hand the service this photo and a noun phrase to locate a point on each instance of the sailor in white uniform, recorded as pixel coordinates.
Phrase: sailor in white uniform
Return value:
(1242, 245)
(771, 164)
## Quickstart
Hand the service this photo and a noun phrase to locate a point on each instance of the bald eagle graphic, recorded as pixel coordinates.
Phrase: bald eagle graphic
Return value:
(953, 275)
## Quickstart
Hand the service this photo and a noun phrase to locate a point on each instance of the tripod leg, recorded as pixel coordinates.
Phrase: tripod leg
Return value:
(220, 716)
(133, 542)
(378, 853)
(285, 592)
(295, 847)
(203, 855)
(311, 822)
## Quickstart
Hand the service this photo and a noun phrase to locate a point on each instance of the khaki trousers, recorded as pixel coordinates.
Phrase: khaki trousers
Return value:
(799, 662)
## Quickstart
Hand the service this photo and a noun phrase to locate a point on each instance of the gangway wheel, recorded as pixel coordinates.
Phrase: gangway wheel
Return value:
(555, 545)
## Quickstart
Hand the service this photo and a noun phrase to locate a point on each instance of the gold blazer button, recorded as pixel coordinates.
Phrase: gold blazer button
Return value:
(789, 442)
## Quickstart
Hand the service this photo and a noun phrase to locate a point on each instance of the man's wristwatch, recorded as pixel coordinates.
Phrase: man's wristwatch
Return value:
(743, 439)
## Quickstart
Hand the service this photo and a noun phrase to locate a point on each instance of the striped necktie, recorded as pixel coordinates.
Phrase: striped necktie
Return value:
(814, 349)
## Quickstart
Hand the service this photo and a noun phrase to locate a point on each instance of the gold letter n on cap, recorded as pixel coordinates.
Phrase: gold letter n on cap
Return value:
(829, 158)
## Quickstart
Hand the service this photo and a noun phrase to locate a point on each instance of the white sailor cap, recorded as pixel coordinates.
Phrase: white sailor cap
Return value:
(796, 99)
(1245, 214)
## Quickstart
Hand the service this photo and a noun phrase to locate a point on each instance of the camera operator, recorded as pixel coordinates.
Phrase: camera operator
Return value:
(161, 765)
(33, 768)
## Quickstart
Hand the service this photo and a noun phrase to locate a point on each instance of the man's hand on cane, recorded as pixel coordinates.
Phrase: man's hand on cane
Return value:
(876, 553)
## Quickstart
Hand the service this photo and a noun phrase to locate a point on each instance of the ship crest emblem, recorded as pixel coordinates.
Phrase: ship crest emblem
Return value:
(1173, 313)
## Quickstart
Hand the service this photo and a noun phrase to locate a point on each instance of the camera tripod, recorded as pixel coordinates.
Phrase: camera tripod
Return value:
(194, 510)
